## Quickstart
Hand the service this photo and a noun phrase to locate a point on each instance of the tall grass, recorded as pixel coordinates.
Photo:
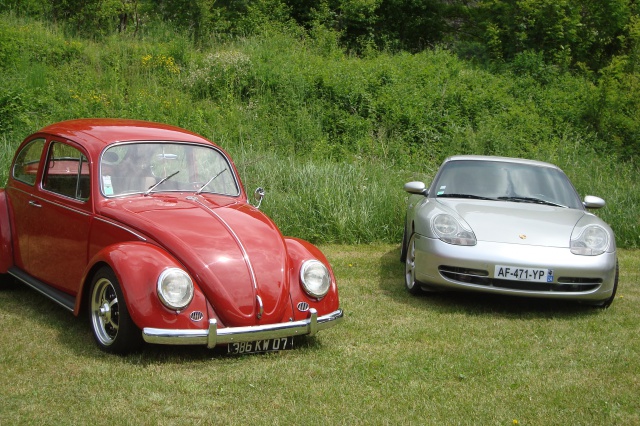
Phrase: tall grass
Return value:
(328, 201)
(331, 137)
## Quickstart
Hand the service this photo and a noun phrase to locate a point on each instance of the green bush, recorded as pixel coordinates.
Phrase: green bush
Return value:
(222, 75)
(330, 136)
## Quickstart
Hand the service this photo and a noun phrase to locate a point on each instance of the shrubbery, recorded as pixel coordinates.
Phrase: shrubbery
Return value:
(332, 137)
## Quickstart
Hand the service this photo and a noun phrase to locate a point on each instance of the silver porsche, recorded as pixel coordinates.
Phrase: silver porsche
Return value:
(507, 226)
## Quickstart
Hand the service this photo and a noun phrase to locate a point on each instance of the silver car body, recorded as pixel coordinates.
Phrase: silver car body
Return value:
(519, 224)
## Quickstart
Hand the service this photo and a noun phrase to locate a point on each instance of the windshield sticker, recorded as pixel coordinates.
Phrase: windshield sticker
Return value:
(106, 185)
(441, 191)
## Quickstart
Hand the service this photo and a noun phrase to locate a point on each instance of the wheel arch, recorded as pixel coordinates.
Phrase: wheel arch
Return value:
(299, 251)
(136, 265)
(83, 296)
(406, 235)
(6, 247)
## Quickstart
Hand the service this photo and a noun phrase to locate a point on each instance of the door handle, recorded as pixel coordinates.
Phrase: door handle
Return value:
(34, 204)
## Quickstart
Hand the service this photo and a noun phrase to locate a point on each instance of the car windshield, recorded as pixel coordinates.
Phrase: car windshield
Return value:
(505, 181)
(147, 167)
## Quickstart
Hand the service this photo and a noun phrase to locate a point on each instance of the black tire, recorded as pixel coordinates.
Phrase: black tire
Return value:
(6, 281)
(403, 247)
(410, 282)
(111, 324)
(609, 301)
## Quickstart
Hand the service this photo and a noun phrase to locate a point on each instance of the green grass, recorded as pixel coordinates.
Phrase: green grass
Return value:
(395, 359)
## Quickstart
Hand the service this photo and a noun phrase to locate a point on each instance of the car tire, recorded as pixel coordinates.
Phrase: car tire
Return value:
(609, 301)
(403, 247)
(6, 281)
(410, 282)
(111, 324)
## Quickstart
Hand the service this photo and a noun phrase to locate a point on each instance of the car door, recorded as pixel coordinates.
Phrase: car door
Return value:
(58, 243)
(55, 218)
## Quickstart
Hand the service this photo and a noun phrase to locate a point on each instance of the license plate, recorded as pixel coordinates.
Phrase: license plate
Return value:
(541, 275)
(266, 345)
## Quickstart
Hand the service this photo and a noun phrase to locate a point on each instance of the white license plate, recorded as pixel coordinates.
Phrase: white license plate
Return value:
(266, 345)
(541, 275)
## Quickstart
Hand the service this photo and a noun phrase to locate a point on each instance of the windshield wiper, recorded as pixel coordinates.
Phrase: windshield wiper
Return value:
(530, 200)
(210, 180)
(475, 197)
(160, 182)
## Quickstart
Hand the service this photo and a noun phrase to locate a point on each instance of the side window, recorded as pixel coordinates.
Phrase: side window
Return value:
(67, 172)
(25, 168)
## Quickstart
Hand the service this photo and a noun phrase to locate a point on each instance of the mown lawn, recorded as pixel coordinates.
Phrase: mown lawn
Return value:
(395, 359)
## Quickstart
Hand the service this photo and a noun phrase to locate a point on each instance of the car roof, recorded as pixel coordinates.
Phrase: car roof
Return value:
(500, 159)
(96, 133)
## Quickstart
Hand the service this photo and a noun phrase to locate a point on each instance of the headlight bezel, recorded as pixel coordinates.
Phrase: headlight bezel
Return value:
(592, 240)
(164, 291)
(310, 284)
(452, 231)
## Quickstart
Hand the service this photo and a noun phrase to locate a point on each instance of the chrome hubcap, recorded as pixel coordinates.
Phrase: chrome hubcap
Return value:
(410, 278)
(104, 311)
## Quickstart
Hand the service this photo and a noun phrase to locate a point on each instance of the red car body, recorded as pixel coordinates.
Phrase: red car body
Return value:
(66, 231)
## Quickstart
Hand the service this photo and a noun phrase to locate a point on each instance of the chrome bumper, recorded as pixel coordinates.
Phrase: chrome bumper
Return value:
(215, 336)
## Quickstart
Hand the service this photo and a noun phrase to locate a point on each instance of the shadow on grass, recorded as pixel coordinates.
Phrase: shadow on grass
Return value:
(474, 303)
(35, 310)
(75, 333)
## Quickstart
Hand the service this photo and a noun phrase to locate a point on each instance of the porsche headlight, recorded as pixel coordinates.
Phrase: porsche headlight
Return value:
(451, 231)
(175, 288)
(315, 278)
(592, 241)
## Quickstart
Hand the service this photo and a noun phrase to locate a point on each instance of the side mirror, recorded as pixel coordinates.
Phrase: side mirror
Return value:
(415, 188)
(592, 202)
(258, 195)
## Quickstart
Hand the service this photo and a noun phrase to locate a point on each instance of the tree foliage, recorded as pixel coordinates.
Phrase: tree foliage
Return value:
(566, 32)
(572, 34)
(540, 39)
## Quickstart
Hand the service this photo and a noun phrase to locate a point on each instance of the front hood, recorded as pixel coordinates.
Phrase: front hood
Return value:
(233, 251)
(517, 223)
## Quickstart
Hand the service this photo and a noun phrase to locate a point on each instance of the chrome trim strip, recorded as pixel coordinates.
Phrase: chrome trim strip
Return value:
(101, 219)
(245, 255)
(39, 198)
(82, 212)
(214, 336)
(260, 307)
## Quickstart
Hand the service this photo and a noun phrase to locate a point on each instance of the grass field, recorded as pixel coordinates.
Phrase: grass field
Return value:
(395, 359)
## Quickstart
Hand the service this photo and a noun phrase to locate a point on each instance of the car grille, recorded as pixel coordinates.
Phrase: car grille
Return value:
(196, 316)
(481, 277)
(464, 275)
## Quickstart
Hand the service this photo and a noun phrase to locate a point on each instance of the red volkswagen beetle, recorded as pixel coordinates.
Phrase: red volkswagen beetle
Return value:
(147, 228)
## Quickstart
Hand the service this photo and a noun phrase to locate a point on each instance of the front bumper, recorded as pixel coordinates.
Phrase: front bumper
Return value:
(216, 336)
(433, 256)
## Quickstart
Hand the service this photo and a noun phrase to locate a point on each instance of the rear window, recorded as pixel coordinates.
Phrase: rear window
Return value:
(27, 162)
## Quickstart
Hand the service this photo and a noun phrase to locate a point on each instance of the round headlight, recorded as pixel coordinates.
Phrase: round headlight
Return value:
(445, 225)
(592, 241)
(449, 230)
(175, 288)
(315, 278)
